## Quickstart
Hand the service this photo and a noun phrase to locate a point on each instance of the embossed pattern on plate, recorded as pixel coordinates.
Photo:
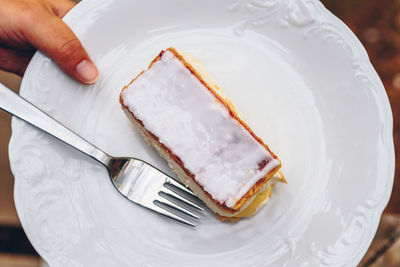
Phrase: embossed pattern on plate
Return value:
(299, 77)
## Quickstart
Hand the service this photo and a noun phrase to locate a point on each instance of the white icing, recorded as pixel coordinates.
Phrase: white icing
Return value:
(177, 108)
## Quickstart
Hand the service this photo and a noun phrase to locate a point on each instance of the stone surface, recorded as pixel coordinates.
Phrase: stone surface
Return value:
(8, 215)
(10, 260)
(385, 248)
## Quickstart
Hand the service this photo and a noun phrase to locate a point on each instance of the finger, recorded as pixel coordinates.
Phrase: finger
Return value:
(54, 38)
(15, 61)
(62, 7)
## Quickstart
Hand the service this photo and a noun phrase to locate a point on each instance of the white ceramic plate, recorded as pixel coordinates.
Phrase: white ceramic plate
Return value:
(298, 76)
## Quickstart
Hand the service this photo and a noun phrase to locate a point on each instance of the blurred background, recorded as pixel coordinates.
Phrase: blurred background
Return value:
(377, 25)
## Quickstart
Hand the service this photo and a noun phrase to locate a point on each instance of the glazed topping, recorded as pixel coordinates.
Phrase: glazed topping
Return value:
(225, 159)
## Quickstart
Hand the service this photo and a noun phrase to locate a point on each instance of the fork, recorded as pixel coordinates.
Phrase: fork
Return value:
(135, 179)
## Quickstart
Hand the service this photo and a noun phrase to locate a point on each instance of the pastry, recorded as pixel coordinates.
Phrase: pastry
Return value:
(180, 111)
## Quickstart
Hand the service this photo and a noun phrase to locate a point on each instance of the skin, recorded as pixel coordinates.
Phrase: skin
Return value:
(30, 25)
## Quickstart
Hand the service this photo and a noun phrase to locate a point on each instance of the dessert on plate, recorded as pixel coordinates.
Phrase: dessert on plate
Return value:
(177, 107)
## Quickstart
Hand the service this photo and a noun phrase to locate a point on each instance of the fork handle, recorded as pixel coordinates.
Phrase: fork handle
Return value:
(21, 108)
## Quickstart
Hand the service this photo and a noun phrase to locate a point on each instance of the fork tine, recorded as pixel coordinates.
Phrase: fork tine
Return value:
(169, 214)
(168, 202)
(180, 186)
(179, 197)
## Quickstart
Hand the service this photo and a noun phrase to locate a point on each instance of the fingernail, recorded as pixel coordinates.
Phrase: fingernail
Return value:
(87, 72)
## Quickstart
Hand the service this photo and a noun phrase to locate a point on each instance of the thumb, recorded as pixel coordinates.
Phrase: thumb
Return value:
(49, 34)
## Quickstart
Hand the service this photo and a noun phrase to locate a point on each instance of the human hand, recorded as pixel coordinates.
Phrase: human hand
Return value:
(26, 25)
